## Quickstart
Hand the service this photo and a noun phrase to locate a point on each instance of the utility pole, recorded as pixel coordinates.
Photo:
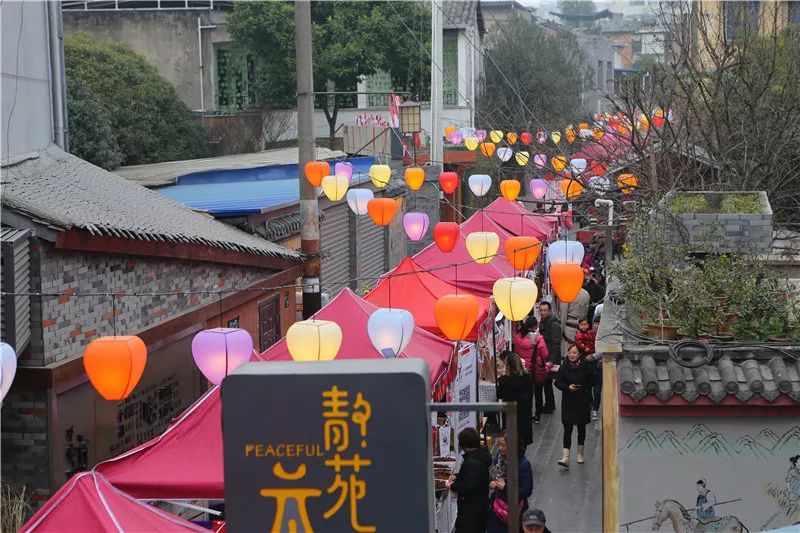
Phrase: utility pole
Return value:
(309, 208)
(437, 86)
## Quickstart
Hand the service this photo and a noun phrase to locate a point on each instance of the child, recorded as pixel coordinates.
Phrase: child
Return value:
(585, 337)
(574, 379)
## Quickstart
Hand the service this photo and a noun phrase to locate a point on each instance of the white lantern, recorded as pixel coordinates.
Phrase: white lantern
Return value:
(565, 252)
(390, 331)
(358, 199)
(480, 184)
(600, 184)
(578, 165)
(504, 153)
(8, 368)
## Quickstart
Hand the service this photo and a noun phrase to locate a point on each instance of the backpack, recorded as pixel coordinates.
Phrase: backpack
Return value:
(539, 371)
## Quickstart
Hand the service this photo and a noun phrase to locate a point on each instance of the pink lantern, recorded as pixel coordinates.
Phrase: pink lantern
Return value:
(217, 352)
(540, 160)
(541, 137)
(456, 137)
(481, 135)
(538, 188)
(343, 168)
(416, 225)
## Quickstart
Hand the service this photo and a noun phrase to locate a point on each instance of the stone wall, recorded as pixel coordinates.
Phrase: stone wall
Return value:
(25, 455)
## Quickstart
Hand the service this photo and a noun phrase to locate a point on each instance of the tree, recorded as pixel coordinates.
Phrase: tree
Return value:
(122, 111)
(577, 7)
(351, 40)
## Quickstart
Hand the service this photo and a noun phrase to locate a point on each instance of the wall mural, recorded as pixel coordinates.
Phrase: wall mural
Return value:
(725, 474)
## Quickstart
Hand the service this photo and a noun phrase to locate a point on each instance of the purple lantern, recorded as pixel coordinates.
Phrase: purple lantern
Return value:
(416, 225)
(217, 352)
(343, 168)
(481, 135)
(538, 188)
(540, 160)
(456, 137)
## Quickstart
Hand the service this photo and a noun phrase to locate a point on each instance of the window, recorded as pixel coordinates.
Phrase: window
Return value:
(236, 78)
(600, 72)
(740, 17)
(636, 46)
(794, 12)
(609, 76)
(450, 68)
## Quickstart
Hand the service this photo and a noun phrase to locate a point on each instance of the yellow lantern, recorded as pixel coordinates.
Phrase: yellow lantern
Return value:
(496, 136)
(415, 177)
(644, 123)
(571, 188)
(448, 130)
(471, 143)
(515, 297)
(522, 157)
(511, 137)
(555, 136)
(559, 163)
(335, 187)
(482, 245)
(380, 175)
(314, 340)
(627, 183)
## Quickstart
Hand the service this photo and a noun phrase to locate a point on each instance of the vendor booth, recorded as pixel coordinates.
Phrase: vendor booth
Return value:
(515, 219)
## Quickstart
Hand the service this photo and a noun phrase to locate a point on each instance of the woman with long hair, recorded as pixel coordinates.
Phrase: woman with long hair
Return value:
(498, 519)
(515, 385)
(574, 379)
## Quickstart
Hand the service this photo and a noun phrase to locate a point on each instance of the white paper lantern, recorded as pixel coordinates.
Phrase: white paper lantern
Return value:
(358, 199)
(8, 368)
(480, 184)
(565, 252)
(505, 153)
(578, 165)
(390, 331)
(600, 184)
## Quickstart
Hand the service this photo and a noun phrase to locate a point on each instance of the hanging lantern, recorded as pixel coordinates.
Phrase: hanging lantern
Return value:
(522, 252)
(570, 133)
(555, 136)
(541, 137)
(380, 175)
(482, 245)
(314, 340)
(627, 183)
(526, 137)
(565, 252)
(448, 130)
(390, 331)
(456, 137)
(481, 135)
(522, 157)
(515, 297)
(415, 178)
(658, 118)
(538, 188)
(571, 188)
(335, 187)
(480, 184)
(471, 143)
(539, 160)
(448, 181)
(598, 133)
(316, 170)
(510, 189)
(445, 234)
(567, 281)
(578, 165)
(218, 352)
(504, 153)
(381, 210)
(511, 137)
(496, 136)
(416, 225)
(115, 365)
(600, 184)
(8, 368)
(358, 199)
(598, 168)
(558, 163)
(487, 149)
(343, 168)
(644, 123)
(456, 315)
(565, 218)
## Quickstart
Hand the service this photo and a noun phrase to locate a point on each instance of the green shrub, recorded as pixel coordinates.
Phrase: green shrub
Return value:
(688, 203)
(746, 204)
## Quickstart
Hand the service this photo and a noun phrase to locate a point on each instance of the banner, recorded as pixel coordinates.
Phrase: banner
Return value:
(465, 388)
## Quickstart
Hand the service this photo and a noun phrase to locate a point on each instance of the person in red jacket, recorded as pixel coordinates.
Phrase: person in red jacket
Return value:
(585, 337)
(538, 364)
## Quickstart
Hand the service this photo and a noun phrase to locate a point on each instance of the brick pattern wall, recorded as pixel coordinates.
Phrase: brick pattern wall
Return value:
(70, 322)
(25, 460)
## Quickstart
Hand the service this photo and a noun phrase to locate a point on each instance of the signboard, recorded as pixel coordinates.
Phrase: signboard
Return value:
(328, 446)
(465, 387)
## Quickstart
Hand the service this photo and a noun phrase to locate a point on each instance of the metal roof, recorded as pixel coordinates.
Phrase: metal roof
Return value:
(245, 191)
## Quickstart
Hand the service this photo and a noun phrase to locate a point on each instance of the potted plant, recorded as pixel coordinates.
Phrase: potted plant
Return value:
(775, 329)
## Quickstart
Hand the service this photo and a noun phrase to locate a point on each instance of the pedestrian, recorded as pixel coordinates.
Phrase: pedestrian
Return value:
(550, 329)
(523, 343)
(597, 292)
(540, 366)
(470, 483)
(534, 521)
(596, 360)
(574, 379)
(584, 337)
(515, 385)
(574, 311)
(498, 515)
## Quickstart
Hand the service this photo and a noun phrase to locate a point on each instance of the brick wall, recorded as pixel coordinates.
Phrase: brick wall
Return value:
(69, 322)
(25, 459)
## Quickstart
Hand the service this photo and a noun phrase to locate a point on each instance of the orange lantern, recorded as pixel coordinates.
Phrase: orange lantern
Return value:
(571, 188)
(511, 137)
(627, 183)
(316, 170)
(559, 163)
(658, 118)
(510, 189)
(448, 181)
(115, 365)
(570, 135)
(567, 280)
(487, 149)
(598, 133)
(448, 130)
(415, 177)
(381, 210)
(456, 315)
(523, 252)
(446, 235)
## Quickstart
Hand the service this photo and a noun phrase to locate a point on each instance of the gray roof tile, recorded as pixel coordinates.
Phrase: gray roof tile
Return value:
(457, 14)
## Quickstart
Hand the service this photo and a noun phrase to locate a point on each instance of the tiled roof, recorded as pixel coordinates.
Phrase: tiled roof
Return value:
(742, 379)
(63, 191)
(457, 14)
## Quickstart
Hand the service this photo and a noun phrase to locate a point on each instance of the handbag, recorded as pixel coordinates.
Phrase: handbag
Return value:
(539, 371)
(500, 509)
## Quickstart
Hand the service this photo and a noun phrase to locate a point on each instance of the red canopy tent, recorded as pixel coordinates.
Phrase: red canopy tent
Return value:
(88, 502)
(413, 289)
(184, 462)
(514, 218)
(351, 313)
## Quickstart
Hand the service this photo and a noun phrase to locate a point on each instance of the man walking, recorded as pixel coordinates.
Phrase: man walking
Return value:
(550, 330)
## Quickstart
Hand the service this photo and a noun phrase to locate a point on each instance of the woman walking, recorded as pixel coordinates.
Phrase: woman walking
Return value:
(497, 521)
(574, 379)
(539, 366)
(514, 385)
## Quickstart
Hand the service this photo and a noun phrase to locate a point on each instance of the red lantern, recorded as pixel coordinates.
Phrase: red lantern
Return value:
(510, 189)
(115, 365)
(567, 280)
(526, 137)
(523, 252)
(448, 181)
(446, 235)
(456, 315)
(381, 210)
(316, 170)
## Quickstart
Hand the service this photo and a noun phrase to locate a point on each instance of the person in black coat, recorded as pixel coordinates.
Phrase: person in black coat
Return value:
(499, 473)
(471, 484)
(574, 379)
(515, 385)
(550, 330)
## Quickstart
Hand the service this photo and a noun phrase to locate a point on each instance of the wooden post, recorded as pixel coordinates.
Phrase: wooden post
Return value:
(610, 446)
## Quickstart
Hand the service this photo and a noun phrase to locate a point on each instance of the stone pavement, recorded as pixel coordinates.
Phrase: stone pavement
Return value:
(571, 499)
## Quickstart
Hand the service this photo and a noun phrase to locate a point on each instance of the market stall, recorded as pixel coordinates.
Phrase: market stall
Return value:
(514, 218)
